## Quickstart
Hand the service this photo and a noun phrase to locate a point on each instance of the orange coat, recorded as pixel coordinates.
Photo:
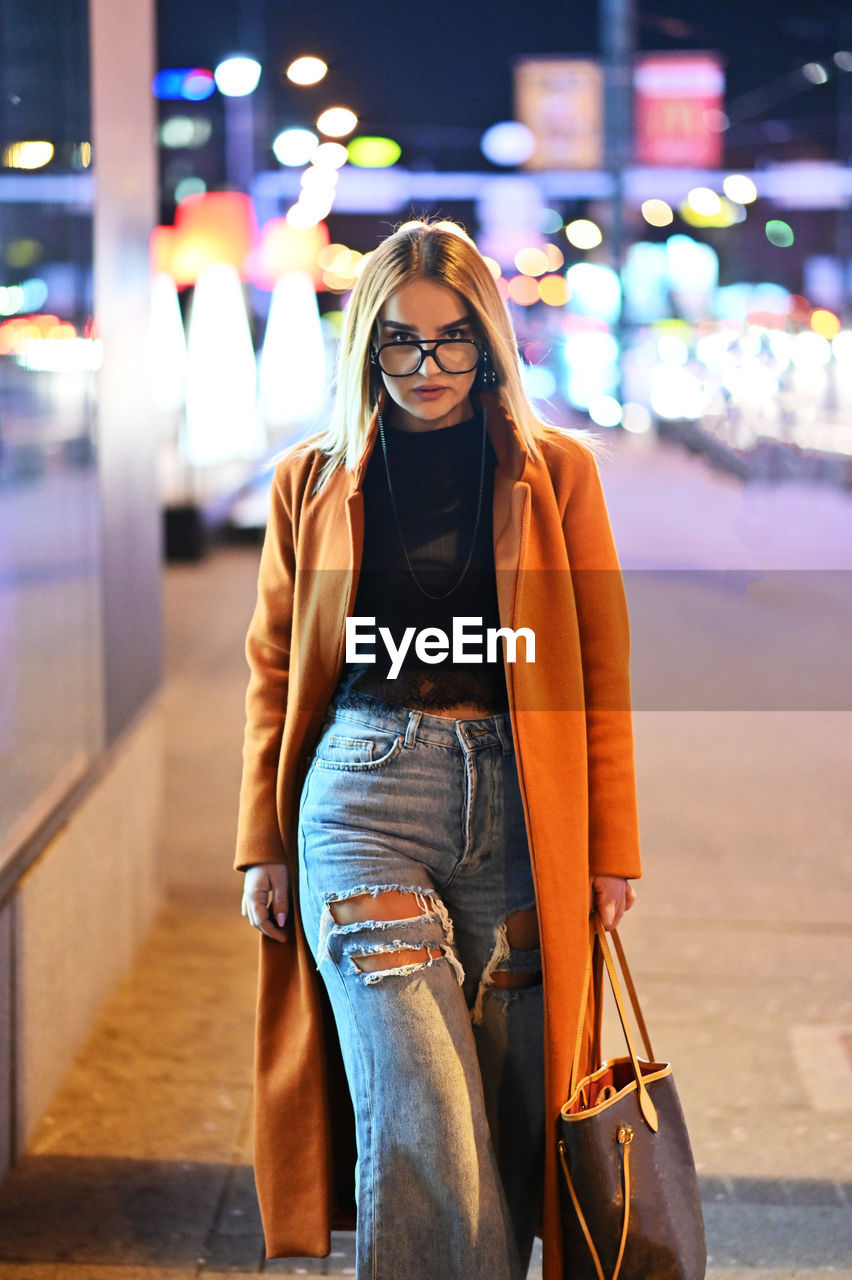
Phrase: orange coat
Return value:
(557, 573)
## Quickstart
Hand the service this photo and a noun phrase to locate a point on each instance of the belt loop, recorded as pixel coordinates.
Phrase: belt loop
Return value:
(411, 731)
(504, 733)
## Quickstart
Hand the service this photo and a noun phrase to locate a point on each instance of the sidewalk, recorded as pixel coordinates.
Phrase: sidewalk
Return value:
(740, 943)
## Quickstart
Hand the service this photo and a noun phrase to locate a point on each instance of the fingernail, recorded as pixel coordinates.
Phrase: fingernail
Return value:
(281, 918)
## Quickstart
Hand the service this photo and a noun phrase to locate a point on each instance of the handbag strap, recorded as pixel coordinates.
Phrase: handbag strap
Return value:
(649, 1111)
(597, 931)
(624, 1137)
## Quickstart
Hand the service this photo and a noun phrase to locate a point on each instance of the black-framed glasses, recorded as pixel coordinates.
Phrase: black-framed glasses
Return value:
(452, 355)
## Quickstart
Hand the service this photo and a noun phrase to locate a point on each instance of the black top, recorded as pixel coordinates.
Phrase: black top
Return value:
(435, 476)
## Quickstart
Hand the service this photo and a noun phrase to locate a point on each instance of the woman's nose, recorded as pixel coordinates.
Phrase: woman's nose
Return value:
(430, 364)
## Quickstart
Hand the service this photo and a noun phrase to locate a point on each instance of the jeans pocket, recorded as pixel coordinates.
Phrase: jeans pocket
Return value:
(357, 747)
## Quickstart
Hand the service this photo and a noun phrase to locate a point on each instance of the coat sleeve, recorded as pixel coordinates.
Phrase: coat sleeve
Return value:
(268, 654)
(605, 655)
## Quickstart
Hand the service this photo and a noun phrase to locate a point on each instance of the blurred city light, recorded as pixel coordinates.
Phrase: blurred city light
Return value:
(636, 418)
(739, 188)
(843, 59)
(507, 143)
(306, 70)
(704, 201)
(188, 84)
(539, 381)
(284, 248)
(189, 187)
(815, 72)
(657, 213)
(330, 155)
(523, 290)
(304, 215)
(493, 266)
(373, 153)
(583, 233)
(183, 131)
(314, 179)
(221, 373)
(237, 76)
(605, 411)
(292, 362)
(531, 261)
(825, 323)
(553, 290)
(779, 233)
(336, 122)
(595, 291)
(295, 147)
(726, 214)
(549, 222)
(810, 349)
(676, 393)
(555, 256)
(27, 155)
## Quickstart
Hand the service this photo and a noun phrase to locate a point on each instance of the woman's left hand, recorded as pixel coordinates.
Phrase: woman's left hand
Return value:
(610, 896)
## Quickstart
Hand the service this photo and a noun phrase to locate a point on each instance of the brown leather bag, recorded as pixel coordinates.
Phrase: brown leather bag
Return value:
(629, 1201)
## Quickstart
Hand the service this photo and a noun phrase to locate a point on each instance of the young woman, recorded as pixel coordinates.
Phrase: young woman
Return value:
(438, 784)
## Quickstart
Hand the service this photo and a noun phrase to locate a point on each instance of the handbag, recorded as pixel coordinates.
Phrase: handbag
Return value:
(630, 1208)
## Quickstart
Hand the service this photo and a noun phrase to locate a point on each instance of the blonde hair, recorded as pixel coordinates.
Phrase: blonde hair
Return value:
(445, 253)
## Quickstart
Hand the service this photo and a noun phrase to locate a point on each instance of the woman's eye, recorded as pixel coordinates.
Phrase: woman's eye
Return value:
(463, 334)
(402, 337)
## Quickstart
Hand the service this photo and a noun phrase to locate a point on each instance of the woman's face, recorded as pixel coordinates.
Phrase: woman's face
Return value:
(426, 311)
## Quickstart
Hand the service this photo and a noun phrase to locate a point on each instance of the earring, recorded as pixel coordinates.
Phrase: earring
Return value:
(486, 374)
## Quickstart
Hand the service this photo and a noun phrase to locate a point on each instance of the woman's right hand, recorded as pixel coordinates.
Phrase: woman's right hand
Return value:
(266, 893)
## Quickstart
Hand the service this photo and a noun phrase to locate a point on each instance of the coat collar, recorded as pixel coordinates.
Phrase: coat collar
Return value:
(508, 445)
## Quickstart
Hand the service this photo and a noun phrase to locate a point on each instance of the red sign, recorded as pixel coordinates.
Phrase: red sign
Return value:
(679, 103)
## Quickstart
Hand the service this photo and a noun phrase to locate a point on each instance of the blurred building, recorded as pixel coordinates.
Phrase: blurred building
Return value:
(79, 530)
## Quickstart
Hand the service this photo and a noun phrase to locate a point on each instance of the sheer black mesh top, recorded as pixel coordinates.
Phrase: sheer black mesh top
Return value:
(435, 476)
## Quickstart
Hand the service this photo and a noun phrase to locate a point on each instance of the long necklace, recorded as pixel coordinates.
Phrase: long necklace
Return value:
(443, 595)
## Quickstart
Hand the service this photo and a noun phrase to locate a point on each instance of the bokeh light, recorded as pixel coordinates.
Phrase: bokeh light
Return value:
(636, 418)
(555, 257)
(373, 153)
(336, 122)
(189, 187)
(27, 155)
(238, 76)
(553, 290)
(523, 290)
(825, 323)
(739, 188)
(549, 222)
(306, 70)
(657, 213)
(190, 84)
(704, 201)
(779, 233)
(815, 72)
(183, 131)
(507, 143)
(605, 411)
(726, 214)
(493, 266)
(295, 147)
(582, 233)
(531, 261)
(330, 155)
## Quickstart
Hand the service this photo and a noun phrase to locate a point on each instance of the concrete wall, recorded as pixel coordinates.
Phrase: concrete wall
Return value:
(70, 928)
(87, 883)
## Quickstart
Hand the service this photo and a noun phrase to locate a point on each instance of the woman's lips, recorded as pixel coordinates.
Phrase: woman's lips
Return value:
(429, 393)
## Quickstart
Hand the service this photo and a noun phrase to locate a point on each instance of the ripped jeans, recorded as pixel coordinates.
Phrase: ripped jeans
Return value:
(444, 1064)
